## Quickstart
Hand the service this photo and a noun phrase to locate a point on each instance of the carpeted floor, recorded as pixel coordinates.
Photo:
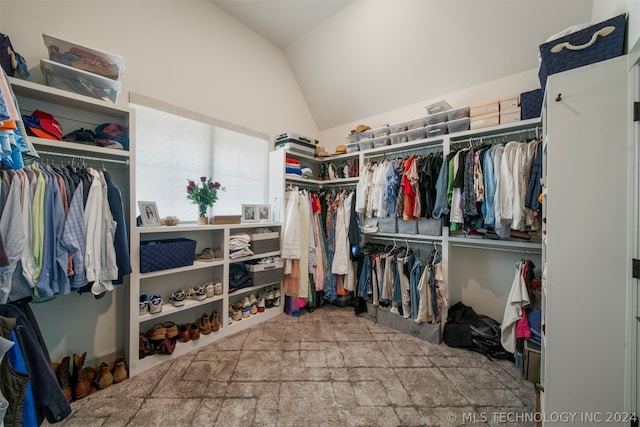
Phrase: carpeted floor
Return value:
(326, 368)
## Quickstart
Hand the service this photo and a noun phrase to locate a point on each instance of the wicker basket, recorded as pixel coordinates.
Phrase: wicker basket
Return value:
(596, 43)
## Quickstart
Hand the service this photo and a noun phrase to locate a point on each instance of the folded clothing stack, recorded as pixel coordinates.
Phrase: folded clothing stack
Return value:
(306, 171)
(239, 246)
(293, 167)
(239, 277)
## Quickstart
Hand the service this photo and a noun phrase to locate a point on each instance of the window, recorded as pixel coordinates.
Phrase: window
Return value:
(172, 148)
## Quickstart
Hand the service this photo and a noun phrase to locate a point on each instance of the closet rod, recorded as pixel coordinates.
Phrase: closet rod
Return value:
(394, 153)
(83, 157)
(537, 130)
(493, 248)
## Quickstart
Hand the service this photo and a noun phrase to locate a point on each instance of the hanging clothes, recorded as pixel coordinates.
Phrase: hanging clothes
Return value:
(514, 310)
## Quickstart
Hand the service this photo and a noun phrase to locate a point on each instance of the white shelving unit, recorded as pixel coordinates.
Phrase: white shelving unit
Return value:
(87, 322)
(163, 282)
(475, 284)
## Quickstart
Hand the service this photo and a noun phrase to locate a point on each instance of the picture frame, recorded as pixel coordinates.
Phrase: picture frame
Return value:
(249, 213)
(264, 213)
(149, 214)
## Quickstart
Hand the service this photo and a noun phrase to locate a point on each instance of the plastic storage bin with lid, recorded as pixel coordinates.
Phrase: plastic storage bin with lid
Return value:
(94, 61)
(78, 81)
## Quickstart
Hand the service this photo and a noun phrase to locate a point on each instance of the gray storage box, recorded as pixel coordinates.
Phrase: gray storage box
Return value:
(264, 274)
(265, 242)
(407, 226)
(425, 331)
(388, 225)
(430, 226)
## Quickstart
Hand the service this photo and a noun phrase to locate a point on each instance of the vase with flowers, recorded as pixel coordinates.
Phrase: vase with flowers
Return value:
(204, 194)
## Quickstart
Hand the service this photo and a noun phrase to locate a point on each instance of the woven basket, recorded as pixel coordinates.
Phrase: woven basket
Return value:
(164, 254)
(596, 43)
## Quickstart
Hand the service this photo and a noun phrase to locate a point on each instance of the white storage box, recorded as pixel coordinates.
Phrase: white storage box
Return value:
(381, 141)
(436, 130)
(81, 82)
(265, 242)
(397, 138)
(84, 58)
(438, 107)
(398, 127)
(459, 125)
(418, 133)
(366, 144)
(458, 113)
(381, 131)
(353, 147)
(416, 123)
(434, 119)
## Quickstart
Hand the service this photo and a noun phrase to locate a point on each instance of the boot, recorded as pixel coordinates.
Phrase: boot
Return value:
(119, 370)
(64, 377)
(105, 379)
(84, 377)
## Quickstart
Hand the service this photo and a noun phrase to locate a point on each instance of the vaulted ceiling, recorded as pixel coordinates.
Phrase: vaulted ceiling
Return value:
(357, 58)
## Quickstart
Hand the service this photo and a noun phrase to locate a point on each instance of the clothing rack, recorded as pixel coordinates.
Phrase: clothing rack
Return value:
(400, 240)
(522, 134)
(415, 150)
(493, 248)
(83, 157)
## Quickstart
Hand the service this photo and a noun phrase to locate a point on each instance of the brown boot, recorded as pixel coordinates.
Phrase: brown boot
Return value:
(64, 377)
(83, 376)
(119, 370)
(105, 379)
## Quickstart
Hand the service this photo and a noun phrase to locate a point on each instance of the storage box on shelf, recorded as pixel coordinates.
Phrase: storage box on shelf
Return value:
(166, 253)
(81, 82)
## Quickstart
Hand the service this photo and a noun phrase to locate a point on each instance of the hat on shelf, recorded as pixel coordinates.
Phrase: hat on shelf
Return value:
(321, 151)
(341, 149)
(360, 128)
(43, 125)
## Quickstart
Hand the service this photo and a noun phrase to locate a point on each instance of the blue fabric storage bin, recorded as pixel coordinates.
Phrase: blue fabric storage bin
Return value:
(584, 47)
(164, 254)
(531, 104)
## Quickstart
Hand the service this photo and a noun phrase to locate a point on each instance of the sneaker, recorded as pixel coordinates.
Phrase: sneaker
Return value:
(246, 303)
(143, 306)
(276, 293)
(178, 298)
(261, 305)
(209, 290)
(236, 314)
(253, 299)
(155, 304)
(254, 309)
(276, 302)
(246, 312)
(217, 288)
(198, 293)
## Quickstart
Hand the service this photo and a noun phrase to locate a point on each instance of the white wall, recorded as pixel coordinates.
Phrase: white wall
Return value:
(190, 54)
(605, 9)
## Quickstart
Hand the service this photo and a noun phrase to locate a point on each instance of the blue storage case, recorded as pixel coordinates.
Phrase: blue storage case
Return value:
(531, 104)
(596, 43)
(164, 254)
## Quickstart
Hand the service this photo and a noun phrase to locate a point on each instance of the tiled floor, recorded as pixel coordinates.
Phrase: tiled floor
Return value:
(326, 368)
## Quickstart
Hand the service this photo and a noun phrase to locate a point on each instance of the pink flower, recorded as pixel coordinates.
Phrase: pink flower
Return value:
(203, 178)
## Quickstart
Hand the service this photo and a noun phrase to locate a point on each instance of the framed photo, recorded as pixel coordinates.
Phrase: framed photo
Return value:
(249, 213)
(264, 213)
(149, 214)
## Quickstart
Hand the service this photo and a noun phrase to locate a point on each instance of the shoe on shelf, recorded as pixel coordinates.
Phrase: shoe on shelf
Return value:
(254, 309)
(171, 328)
(158, 332)
(253, 299)
(178, 297)
(215, 321)
(204, 324)
(155, 304)
(236, 314)
(194, 331)
(197, 292)
(209, 290)
(143, 307)
(217, 288)
(119, 370)
(246, 303)
(246, 312)
(276, 293)
(209, 254)
(261, 305)
(183, 333)
(276, 302)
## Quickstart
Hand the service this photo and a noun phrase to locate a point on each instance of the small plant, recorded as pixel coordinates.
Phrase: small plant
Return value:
(204, 194)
